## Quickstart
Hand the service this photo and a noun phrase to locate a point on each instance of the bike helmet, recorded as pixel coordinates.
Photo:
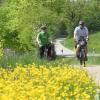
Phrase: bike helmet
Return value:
(81, 23)
(44, 27)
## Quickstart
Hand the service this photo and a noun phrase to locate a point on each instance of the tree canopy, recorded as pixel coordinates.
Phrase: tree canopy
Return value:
(20, 19)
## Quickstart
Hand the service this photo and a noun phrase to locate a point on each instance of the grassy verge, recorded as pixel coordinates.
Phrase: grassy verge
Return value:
(29, 58)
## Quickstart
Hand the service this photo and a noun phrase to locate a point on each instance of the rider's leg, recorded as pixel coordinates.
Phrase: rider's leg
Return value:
(77, 51)
(47, 46)
(86, 53)
(41, 49)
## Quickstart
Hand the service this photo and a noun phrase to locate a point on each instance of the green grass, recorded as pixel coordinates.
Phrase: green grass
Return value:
(94, 42)
(69, 43)
(29, 58)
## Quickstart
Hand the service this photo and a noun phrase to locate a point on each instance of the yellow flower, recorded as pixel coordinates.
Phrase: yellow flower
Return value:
(53, 83)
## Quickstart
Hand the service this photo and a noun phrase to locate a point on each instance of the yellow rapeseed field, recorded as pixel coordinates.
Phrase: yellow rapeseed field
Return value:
(30, 82)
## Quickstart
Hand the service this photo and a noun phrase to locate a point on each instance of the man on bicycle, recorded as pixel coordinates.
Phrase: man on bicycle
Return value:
(42, 40)
(80, 31)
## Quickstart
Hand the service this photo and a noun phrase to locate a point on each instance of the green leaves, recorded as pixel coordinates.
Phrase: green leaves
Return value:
(61, 17)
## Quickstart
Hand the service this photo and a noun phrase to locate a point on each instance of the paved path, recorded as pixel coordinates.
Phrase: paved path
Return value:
(94, 71)
(61, 50)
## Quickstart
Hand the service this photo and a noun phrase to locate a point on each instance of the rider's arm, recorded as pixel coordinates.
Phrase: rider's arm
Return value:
(87, 34)
(75, 34)
(38, 39)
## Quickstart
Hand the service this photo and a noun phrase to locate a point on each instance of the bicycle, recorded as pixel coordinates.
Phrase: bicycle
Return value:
(82, 51)
(49, 52)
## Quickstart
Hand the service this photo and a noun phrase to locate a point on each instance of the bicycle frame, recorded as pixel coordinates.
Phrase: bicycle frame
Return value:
(82, 56)
(82, 51)
(49, 52)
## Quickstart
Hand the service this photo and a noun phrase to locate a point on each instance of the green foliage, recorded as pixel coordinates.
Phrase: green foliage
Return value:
(94, 44)
(92, 15)
(20, 19)
(1, 50)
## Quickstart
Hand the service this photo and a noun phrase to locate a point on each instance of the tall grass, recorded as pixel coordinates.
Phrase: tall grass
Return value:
(33, 57)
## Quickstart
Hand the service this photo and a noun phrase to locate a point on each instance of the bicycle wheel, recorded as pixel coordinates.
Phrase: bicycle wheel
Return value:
(82, 57)
(46, 53)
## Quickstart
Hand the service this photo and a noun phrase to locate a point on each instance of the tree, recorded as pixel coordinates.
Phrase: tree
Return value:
(20, 19)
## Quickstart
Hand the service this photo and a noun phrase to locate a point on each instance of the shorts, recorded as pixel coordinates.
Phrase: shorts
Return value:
(77, 44)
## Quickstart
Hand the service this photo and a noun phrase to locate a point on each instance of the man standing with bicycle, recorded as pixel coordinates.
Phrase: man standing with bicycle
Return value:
(80, 31)
(42, 40)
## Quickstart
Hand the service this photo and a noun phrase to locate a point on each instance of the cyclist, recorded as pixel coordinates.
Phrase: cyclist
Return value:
(42, 40)
(80, 31)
